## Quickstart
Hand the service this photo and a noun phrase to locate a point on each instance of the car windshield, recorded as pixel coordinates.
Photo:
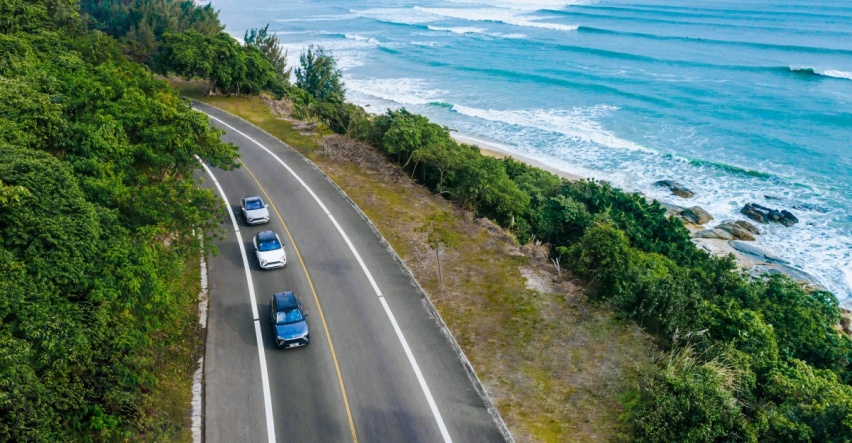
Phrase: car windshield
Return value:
(254, 204)
(269, 245)
(289, 316)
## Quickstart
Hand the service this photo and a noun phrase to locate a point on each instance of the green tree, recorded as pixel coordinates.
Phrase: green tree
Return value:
(270, 46)
(317, 74)
(438, 237)
(231, 67)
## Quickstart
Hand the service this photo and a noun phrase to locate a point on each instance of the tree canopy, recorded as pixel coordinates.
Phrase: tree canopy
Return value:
(92, 148)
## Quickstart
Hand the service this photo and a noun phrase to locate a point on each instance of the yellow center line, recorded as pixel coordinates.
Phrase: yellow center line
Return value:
(316, 299)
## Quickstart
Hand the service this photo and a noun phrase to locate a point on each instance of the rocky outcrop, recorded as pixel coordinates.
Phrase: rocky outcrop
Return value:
(676, 188)
(780, 268)
(738, 231)
(742, 224)
(730, 230)
(696, 215)
(762, 214)
(760, 253)
(716, 233)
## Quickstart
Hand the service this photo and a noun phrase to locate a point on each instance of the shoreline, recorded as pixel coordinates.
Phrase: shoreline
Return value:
(496, 150)
(748, 263)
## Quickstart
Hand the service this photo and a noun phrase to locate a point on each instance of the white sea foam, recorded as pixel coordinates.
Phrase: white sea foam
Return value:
(472, 30)
(578, 124)
(525, 5)
(459, 30)
(316, 18)
(360, 38)
(348, 51)
(823, 72)
(425, 43)
(836, 74)
(498, 15)
(401, 91)
(406, 16)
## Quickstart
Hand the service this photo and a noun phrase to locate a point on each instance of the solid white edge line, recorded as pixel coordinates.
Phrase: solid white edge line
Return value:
(429, 399)
(264, 376)
(285, 165)
(444, 432)
(357, 255)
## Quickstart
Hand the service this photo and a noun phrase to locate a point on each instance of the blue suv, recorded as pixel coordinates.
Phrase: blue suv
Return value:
(289, 322)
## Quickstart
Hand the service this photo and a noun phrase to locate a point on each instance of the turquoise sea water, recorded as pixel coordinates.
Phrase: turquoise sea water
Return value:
(738, 100)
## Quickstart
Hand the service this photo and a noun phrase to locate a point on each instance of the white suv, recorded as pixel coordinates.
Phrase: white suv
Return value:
(254, 210)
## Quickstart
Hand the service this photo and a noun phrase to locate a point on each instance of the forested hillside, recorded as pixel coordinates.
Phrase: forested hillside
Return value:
(99, 217)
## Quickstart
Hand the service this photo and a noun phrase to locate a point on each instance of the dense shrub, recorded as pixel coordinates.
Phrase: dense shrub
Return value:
(92, 147)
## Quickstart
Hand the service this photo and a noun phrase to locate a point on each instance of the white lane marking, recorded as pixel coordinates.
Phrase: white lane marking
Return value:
(429, 399)
(264, 376)
(357, 257)
(285, 165)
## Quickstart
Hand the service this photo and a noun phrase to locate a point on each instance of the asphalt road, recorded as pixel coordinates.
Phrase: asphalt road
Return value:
(379, 367)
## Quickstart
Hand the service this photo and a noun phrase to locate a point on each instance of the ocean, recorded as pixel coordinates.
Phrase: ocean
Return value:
(740, 101)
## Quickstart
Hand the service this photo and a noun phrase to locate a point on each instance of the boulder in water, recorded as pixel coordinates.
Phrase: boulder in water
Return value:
(762, 214)
(676, 188)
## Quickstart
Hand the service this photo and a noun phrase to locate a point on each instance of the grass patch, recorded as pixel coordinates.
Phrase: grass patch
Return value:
(257, 111)
(558, 367)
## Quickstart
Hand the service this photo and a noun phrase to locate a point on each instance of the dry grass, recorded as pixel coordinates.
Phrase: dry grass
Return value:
(555, 365)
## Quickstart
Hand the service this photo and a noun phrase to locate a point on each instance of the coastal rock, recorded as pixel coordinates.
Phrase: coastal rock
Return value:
(762, 214)
(671, 210)
(780, 268)
(846, 323)
(757, 252)
(695, 215)
(735, 230)
(720, 234)
(676, 188)
(811, 207)
(742, 224)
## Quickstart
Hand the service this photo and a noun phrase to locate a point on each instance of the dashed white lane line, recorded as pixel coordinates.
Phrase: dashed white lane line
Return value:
(429, 399)
(264, 376)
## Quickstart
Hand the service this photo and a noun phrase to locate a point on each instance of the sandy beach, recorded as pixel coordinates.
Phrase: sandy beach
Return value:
(497, 150)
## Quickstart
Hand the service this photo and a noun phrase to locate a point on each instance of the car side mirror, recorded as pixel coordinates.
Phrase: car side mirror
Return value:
(306, 315)
(265, 205)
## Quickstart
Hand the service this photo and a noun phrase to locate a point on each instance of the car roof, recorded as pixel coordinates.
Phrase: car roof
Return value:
(286, 299)
(253, 198)
(266, 235)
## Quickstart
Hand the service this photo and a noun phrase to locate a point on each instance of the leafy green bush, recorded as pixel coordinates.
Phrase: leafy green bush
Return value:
(92, 147)
(691, 399)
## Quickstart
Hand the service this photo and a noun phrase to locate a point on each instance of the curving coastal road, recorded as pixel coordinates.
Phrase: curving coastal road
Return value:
(379, 367)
